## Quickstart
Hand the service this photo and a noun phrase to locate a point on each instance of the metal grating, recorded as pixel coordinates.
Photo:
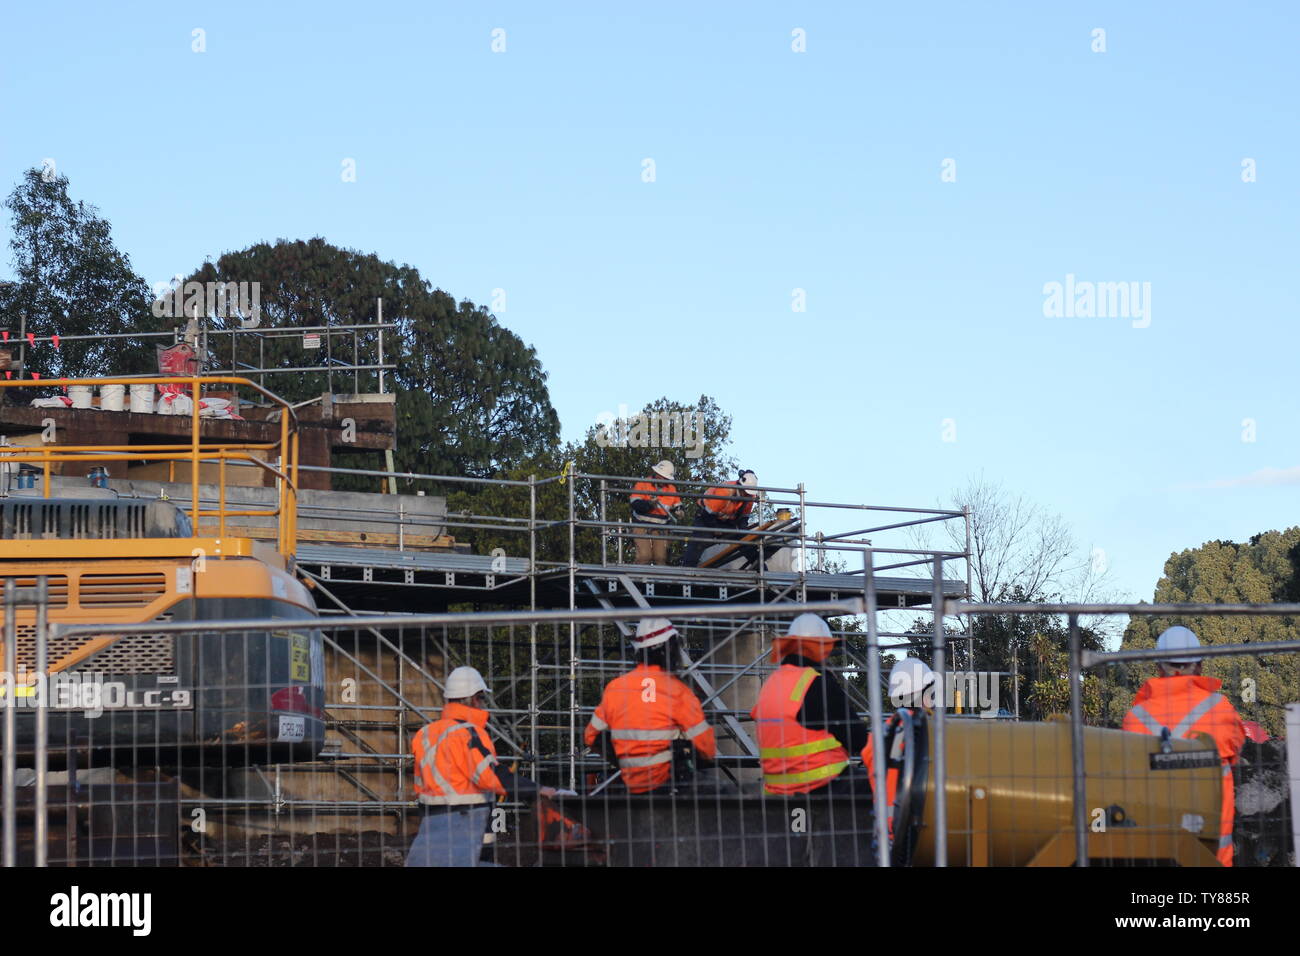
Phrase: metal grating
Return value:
(58, 647)
(146, 654)
(120, 590)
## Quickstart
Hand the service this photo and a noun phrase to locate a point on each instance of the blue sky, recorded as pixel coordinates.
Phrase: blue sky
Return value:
(774, 171)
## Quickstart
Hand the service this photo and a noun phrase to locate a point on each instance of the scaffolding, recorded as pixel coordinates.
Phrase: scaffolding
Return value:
(538, 591)
(353, 351)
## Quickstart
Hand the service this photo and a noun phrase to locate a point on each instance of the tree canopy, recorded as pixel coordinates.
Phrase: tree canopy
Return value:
(71, 280)
(471, 396)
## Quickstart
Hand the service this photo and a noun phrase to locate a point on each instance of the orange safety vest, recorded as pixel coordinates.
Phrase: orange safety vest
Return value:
(662, 493)
(1188, 705)
(644, 711)
(795, 759)
(454, 757)
(891, 773)
(727, 502)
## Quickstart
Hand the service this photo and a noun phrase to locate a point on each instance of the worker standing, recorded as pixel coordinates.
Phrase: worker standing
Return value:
(458, 777)
(1181, 702)
(647, 719)
(726, 507)
(655, 505)
(911, 690)
(806, 724)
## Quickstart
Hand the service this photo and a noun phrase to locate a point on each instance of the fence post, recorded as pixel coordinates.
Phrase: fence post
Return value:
(42, 715)
(940, 742)
(875, 702)
(11, 713)
(1076, 746)
(1293, 769)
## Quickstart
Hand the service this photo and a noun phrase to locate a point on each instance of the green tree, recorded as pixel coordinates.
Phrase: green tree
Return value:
(471, 396)
(1264, 570)
(1024, 554)
(71, 280)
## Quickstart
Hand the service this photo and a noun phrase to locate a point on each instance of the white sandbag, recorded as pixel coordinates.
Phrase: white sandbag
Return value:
(58, 401)
(171, 404)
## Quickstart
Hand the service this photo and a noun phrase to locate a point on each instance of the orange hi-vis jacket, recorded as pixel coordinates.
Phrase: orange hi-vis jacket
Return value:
(644, 711)
(726, 502)
(1189, 705)
(454, 757)
(891, 773)
(664, 496)
(795, 759)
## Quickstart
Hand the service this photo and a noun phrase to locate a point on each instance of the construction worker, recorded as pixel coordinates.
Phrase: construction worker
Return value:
(1180, 702)
(647, 719)
(806, 723)
(726, 507)
(911, 690)
(458, 778)
(654, 506)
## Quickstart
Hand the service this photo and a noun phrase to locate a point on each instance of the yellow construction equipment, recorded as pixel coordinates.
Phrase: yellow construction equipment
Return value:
(1010, 798)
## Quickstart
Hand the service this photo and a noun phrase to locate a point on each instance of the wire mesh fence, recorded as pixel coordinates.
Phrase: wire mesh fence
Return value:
(257, 740)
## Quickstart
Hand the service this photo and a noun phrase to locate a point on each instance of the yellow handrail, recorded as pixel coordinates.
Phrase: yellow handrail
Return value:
(284, 471)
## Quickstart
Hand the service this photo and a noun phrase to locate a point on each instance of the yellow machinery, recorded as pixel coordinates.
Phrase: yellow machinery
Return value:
(1010, 796)
(107, 558)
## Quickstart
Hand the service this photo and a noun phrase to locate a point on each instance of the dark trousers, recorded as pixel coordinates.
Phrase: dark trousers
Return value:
(705, 524)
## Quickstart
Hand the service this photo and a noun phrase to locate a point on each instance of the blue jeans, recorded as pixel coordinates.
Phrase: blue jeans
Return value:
(451, 838)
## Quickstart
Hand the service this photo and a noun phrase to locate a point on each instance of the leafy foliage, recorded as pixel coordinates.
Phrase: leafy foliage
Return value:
(471, 396)
(71, 280)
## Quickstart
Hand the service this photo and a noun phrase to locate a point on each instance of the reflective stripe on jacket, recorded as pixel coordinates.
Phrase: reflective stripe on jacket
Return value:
(1190, 705)
(454, 757)
(664, 496)
(644, 711)
(795, 759)
(727, 502)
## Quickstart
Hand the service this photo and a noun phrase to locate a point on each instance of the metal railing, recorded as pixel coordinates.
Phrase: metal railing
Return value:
(283, 466)
(1082, 660)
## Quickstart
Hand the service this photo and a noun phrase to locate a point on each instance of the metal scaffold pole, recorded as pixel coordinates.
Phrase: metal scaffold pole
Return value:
(573, 635)
(532, 627)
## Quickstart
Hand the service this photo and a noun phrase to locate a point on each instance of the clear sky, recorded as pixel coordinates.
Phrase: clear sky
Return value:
(774, 171)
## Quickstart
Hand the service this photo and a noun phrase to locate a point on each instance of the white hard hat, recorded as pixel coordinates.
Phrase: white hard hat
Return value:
(653, 631)
(748, 479)
(1178, 638)
(464, 682)
(664, 469)
(810, 626)
(908, 681)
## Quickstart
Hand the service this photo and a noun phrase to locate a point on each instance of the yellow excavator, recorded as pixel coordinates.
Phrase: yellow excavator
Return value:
(228, 698)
